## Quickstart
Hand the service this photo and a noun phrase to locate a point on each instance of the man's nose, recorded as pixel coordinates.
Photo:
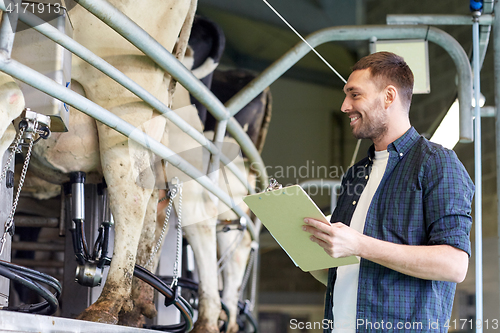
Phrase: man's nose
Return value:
(346, 106)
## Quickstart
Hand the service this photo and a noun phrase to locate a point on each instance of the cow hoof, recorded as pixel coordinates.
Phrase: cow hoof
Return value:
(233, 328)
(149, 310)
(132, 319)
(98, 316)
(204, 328)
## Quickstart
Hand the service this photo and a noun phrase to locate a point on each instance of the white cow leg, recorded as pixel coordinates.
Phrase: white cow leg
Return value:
(127, 174)
(202, 238)
(142, 295)
(233, 271)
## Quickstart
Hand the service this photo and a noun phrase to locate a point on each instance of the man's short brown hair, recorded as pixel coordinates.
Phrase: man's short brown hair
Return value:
(389, 68)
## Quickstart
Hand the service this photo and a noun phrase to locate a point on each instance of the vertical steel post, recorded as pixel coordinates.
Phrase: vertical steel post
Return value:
(496, 62)
(7, 32)
(6, 197)
(477, 172)
(214, 165)
(9, 26)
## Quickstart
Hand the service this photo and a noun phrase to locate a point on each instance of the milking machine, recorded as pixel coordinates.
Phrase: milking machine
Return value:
(92, 261)
(32, 127)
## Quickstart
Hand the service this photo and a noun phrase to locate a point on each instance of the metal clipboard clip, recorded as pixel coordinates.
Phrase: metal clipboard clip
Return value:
(273, 185)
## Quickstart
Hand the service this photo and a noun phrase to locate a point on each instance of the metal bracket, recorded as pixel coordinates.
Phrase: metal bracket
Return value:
(227, 225)
(34, 123)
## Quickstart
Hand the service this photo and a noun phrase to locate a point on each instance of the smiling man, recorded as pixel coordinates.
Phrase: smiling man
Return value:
(404, 210)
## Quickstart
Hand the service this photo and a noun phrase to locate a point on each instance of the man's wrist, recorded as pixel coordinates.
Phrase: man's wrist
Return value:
(363, 245)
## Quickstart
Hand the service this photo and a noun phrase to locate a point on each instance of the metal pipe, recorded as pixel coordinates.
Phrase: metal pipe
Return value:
(8, 26)
(488, 6)
(346, 33)
(52, 33)
(496, 62)
(37, 246)
(487, 111)
(62, 214)
(484, 40)
(485, 22)
(144, 42)
(147, 44)
(214, 164)
(478, 174)
(38, 263)
(36, 221)
(247, 147)
(255, 278)
(43, 83)
(78, 196)
(437, 19)
(106, 212)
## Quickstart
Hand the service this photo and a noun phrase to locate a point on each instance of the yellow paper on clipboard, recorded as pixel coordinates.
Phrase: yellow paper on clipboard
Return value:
(282, 212)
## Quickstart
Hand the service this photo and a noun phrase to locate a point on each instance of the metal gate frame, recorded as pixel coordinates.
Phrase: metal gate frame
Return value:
(144, 42)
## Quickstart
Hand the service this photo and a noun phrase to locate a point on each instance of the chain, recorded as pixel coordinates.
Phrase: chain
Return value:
(16, 143)
(248, 271)
(173, 193)
(9, 224)
(177, 189)
(163, 199)
(176, 274)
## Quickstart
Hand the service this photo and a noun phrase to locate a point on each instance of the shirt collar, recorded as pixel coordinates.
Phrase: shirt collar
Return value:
(400, 145)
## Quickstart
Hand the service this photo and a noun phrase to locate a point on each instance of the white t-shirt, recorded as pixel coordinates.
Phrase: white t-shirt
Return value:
(345, 291)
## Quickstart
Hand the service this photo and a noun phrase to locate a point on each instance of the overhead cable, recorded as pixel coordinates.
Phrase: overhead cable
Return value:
(305, 41)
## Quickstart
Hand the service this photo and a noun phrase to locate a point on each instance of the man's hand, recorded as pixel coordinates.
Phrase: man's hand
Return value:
(337, 239)
(429, 262)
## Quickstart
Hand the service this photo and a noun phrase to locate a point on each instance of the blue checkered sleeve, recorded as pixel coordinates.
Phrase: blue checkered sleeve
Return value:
(447, 200)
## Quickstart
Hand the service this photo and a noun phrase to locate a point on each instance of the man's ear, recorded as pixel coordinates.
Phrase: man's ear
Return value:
(390, 95)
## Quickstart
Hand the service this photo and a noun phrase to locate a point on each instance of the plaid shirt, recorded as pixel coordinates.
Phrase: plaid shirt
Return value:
(424, 198)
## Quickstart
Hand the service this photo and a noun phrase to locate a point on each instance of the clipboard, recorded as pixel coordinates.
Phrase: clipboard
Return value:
(282, 212)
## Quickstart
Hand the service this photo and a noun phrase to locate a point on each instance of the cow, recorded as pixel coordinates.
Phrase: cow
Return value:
(121, 162)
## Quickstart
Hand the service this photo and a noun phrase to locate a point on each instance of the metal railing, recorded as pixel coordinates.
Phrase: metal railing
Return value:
(179, 72)
(144, 42)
